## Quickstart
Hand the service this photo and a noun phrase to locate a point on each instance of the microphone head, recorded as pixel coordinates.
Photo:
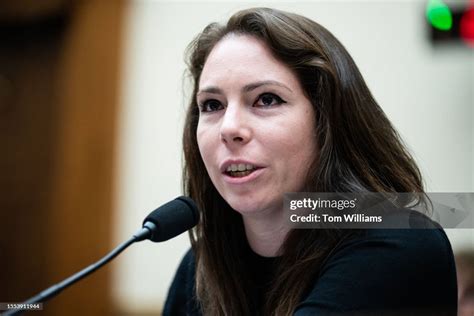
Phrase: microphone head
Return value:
(172, 219)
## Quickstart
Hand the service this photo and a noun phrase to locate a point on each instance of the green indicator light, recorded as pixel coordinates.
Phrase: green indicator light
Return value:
(439, 15)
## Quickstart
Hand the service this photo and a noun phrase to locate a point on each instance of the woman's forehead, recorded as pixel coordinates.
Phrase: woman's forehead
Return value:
(244, 59)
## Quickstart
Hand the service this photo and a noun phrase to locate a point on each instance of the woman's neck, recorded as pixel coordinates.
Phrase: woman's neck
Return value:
(265, 235)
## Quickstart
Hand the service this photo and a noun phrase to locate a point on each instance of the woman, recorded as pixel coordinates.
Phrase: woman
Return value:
(279, 106)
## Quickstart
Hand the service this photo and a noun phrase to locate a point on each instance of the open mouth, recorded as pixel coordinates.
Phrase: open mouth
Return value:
(240, 170)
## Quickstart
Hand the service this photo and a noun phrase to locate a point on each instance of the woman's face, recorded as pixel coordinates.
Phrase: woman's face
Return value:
(256, 130)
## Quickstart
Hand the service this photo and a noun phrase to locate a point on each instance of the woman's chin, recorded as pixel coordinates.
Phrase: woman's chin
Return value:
(243, 205)
(251, 207)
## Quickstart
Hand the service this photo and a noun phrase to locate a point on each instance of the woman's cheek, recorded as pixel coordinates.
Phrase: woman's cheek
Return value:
(205, 146)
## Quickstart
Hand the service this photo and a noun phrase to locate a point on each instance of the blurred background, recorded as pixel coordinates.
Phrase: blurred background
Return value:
(92, 102)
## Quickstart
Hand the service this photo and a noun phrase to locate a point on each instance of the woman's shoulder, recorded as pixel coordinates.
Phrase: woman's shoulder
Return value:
(189, 261)
(186, 271)
(181, 294)
(388, 271)
(421, 237)
(413, 250)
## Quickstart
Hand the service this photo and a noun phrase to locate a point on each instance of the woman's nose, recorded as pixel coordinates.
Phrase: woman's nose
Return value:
(235, 127)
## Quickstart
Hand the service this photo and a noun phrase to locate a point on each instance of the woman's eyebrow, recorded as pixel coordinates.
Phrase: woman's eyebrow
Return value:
(210, 89)
(247, 88)
(255, 85)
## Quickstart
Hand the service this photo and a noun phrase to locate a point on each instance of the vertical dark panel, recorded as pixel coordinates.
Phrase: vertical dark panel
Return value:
(59, 76)
(83, 180)
(29, 60)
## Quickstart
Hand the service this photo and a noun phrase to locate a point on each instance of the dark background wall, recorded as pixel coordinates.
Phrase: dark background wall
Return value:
(59, 73)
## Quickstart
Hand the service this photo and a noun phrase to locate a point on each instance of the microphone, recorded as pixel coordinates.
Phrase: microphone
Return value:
(166, 222)
(171, 219)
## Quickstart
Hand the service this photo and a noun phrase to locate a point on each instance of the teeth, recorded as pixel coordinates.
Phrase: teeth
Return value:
(239, 167)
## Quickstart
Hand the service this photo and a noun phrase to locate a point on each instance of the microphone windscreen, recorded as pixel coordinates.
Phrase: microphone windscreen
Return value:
(173, 218)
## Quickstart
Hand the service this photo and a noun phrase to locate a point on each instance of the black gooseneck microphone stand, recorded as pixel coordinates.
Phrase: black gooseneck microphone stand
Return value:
(54, 290)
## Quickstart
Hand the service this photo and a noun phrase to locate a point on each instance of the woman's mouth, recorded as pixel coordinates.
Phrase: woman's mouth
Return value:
(240, 170)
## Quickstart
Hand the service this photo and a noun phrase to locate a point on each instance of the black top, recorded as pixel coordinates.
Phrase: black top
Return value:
(377, 272)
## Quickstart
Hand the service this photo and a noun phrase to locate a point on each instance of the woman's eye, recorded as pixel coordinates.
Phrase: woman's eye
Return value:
(268, 100)
(211, 106)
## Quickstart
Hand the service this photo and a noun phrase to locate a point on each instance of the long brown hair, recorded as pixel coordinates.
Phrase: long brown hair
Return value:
(358, 151)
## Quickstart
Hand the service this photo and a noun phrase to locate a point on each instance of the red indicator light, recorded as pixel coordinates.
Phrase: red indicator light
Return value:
(466, 27)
